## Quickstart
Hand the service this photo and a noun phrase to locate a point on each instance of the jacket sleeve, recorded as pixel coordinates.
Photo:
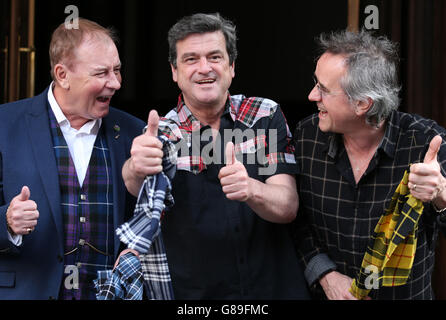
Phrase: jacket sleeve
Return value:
(6, 246)
(312, 255)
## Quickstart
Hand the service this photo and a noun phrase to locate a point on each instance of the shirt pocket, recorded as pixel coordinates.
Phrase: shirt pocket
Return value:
(251, 145)
(193, 164)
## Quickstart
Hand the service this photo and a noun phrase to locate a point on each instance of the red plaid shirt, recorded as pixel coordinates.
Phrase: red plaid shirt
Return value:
(179, 125)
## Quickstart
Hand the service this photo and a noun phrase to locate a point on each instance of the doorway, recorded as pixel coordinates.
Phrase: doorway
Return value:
(17, 50)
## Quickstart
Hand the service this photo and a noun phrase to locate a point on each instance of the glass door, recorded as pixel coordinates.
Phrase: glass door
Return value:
(17, 51)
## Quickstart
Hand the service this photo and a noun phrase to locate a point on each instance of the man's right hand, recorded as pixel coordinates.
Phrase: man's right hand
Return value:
(146, 156)
(336, 286)
(22, 213)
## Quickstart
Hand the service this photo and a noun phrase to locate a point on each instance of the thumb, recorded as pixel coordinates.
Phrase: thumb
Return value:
(152, 123)
(24, 194)
(434, 147)
(230, 154)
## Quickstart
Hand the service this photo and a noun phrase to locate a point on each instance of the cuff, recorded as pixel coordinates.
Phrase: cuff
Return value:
(15, 239)
(317, 267)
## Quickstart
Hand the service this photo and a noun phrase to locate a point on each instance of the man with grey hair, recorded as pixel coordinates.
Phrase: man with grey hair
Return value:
(227, 236)
(351, 157)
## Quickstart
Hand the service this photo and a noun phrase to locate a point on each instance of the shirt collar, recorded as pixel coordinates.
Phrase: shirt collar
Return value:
(391, 134)
(91, 127)
(187, 118)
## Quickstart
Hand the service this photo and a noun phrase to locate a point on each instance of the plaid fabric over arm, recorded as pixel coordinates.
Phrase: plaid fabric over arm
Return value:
(143, 231)
(392, 246)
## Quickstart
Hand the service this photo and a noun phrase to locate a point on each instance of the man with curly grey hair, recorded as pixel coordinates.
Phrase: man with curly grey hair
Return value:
(351, 157)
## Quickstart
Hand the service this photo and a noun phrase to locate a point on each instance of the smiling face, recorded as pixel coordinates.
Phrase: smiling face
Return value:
(90, 81)
(336, 112)
(203, 72)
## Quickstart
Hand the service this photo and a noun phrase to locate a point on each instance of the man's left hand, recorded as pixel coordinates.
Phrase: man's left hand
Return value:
(234, 178)
(426, 182)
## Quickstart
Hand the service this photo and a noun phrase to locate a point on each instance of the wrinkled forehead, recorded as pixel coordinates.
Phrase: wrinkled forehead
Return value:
(330, 67)
(96, 49)
(332, 61)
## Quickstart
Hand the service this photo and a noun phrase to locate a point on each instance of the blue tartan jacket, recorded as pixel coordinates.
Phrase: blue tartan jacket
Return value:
(35, 269)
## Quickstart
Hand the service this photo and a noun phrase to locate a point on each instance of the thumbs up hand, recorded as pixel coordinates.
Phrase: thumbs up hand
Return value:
(146, 152)
(426, 182)
(22, 213)
(234, 178)
(152, 124)
(230, 157)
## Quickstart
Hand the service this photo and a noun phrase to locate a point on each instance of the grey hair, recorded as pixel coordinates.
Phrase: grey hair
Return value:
(202, 23)
(372, 64)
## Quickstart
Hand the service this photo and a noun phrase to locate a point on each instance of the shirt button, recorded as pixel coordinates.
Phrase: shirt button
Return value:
(83, 219)
(83, 197)
(81, 242)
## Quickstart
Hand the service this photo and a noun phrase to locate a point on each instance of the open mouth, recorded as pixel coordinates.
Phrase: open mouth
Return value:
(206, 81)
(322, 113)
(104, 99)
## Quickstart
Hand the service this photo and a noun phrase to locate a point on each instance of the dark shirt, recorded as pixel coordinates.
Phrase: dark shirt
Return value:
(218, 248)
(338, 215)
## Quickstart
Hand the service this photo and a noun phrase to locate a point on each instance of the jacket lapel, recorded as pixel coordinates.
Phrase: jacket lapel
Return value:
(118, 156)
(41, 144)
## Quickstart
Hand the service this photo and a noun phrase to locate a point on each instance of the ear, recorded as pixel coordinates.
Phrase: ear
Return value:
(174, 73)
(61, 76)
(233, 69)
(361, 107)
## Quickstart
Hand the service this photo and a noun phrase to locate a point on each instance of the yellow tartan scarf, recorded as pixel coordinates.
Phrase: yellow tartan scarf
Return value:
(389, 256)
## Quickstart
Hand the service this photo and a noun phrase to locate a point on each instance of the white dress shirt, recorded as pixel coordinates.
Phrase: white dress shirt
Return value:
(80, 142)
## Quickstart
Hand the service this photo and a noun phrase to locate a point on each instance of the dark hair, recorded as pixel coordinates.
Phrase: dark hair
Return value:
(202, 23)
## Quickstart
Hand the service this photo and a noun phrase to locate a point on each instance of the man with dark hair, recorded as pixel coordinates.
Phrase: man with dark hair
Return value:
(61, 191)
(227, 235)
(351, 157)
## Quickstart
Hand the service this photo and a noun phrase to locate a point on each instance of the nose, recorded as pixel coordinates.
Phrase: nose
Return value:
(314, 95)
(204, 66)
(114, 81)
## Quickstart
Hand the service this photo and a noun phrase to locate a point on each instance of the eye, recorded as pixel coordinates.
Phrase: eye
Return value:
(101, 74)
(319, 87)
(323, 91)
(190, 60)
(215, 58)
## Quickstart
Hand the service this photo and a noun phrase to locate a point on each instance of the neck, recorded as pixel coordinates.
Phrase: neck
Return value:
(364, 140)
(75, 120)
(208, 115)
(361, 146)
